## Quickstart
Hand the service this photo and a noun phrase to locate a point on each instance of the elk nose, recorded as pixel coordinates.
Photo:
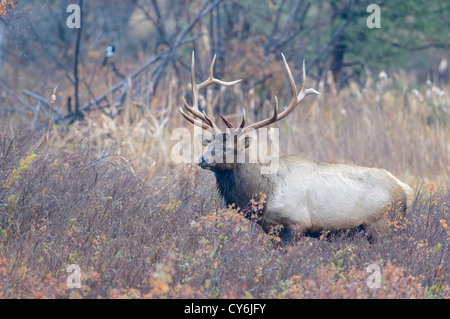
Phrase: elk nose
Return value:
(202, 162)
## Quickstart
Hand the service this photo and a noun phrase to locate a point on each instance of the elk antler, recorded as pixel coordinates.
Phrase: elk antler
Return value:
(208, 123)
(296, 100)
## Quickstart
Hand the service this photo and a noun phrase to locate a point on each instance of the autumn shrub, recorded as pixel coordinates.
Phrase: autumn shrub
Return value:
(105, 195)
(165, 234)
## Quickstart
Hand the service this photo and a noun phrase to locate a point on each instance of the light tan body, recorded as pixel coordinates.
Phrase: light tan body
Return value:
(310, 196)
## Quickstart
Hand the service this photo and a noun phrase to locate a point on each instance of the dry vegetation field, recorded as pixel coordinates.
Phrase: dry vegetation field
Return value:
(104, 194)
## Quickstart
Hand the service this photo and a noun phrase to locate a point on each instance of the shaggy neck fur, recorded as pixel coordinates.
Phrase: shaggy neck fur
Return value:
(244, 182)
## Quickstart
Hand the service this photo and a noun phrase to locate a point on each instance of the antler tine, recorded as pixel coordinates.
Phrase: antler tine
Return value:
(243, 119)
(304, 76)
(230, 125)
(296, 99)
(211, 68)
(291, 78)
(265, 122)
(194, 108)
(212, 80)
(193, 83)
(304, 92)
(210, 122)
(195, 88)
(227, 123)
(194, 121)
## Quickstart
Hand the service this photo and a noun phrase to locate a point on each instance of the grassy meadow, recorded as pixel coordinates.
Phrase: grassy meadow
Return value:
(104, 194)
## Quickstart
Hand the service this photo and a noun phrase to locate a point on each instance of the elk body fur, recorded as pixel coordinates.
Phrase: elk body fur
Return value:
(306, 196)
(303, 195)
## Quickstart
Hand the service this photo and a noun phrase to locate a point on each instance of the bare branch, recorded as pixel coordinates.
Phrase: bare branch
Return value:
(18, 98)
(44, 101)
(166, 55)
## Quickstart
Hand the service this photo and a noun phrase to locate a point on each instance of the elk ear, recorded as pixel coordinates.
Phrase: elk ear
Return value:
(205, 139)
(246, 141)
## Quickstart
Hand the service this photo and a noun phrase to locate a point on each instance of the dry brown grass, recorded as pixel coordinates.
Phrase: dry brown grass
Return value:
(387, 124)
(106, 196)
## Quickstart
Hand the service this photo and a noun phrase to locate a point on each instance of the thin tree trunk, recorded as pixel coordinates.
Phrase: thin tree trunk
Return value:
(337, 58)
(79, 114)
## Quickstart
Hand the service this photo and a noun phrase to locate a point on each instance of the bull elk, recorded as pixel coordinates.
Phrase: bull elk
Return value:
(304, 196)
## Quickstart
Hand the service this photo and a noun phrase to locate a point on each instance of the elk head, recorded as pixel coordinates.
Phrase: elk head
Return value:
(224, 147)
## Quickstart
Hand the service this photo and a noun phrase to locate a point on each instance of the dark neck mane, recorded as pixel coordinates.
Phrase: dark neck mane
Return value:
(226, 185)
(240, 185)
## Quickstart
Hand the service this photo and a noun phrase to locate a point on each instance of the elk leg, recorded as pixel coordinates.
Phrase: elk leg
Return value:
(287, 235)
